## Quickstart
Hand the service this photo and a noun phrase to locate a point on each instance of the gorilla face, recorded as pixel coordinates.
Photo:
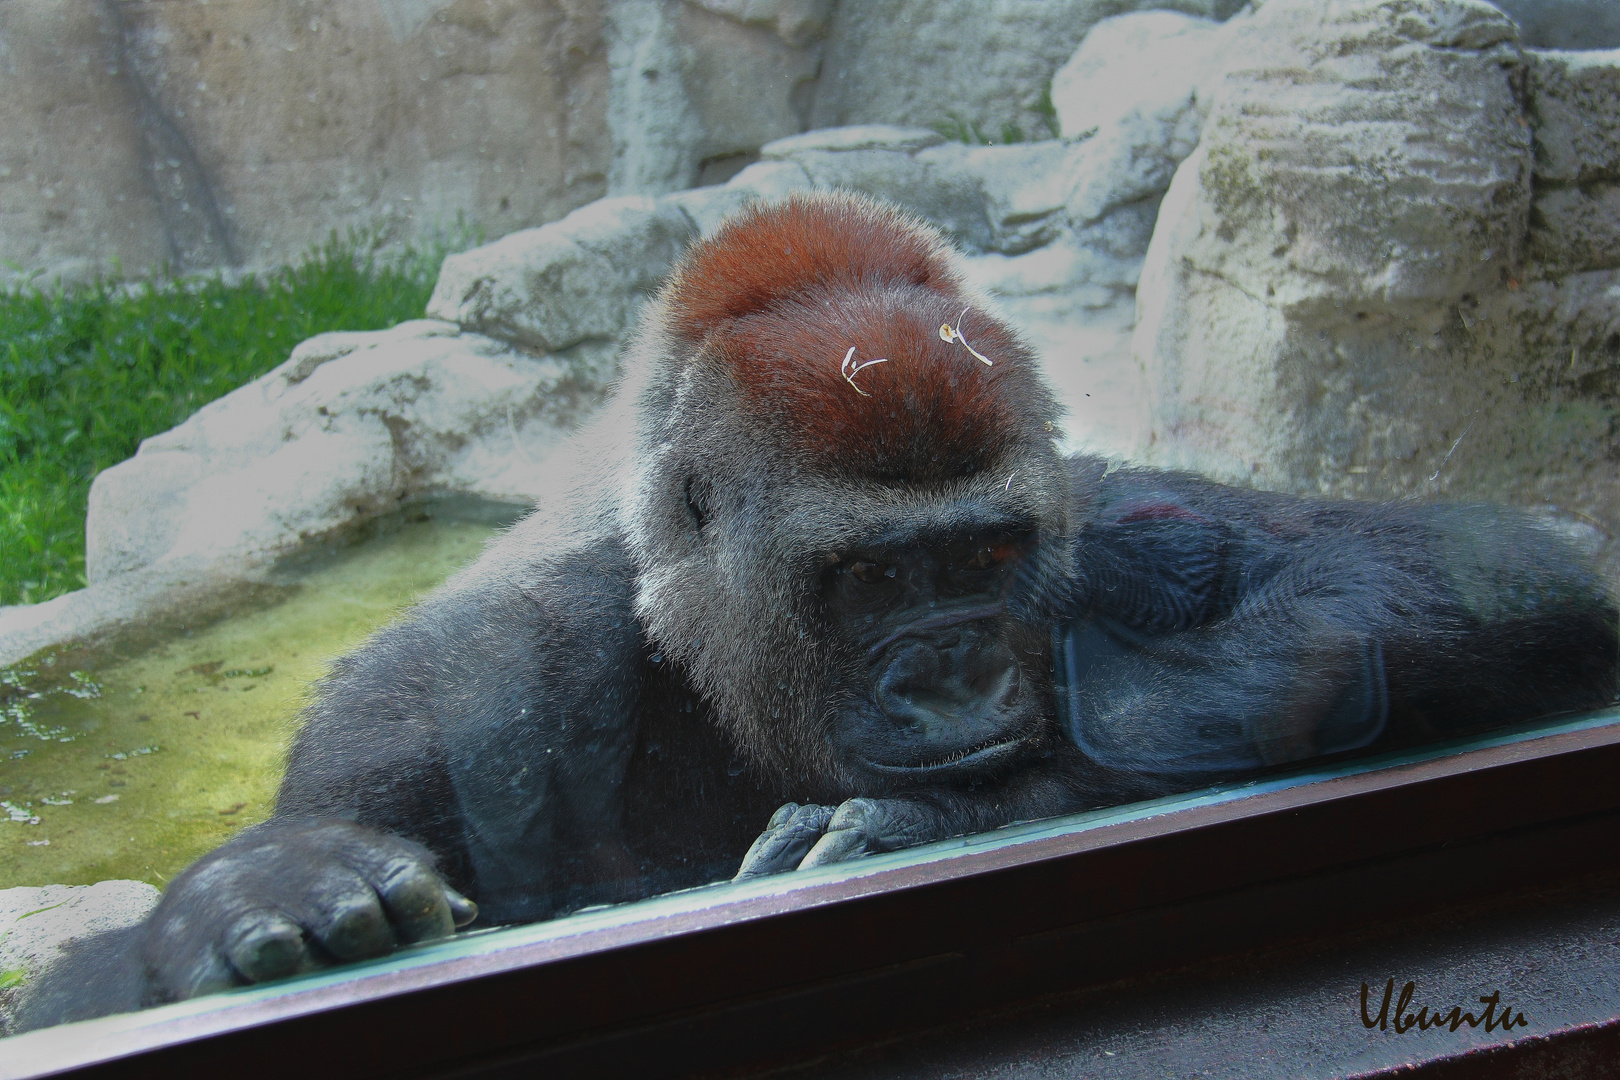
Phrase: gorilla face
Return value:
(832, 493)
(948, 685)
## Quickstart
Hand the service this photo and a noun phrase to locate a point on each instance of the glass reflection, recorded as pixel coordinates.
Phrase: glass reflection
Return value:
(851, 563)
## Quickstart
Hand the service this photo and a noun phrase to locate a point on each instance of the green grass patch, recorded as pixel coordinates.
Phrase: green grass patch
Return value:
(88, 371)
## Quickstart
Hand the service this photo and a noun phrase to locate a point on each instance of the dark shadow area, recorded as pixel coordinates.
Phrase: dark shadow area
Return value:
(1552, 957)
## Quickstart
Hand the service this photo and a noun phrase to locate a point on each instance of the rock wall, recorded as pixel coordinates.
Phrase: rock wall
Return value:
(989, 62)
(241, 132)
(698, 88)
(137, 134)
(1389, 267)
(1350, 246)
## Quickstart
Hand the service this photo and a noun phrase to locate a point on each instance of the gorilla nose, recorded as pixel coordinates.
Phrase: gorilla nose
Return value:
(943, 687)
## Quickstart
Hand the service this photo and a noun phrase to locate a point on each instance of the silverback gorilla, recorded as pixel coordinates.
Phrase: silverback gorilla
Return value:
(839, 571)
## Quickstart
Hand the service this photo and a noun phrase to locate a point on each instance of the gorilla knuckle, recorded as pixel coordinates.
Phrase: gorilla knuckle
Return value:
(355, 927)
(266, 947)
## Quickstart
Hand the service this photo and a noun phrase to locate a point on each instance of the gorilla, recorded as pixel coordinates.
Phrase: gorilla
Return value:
(826, 571)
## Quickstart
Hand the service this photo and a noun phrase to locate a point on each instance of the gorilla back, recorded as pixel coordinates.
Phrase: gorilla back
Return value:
(822, 558)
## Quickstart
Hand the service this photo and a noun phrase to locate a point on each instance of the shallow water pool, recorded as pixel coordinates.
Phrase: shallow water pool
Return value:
(131, 760)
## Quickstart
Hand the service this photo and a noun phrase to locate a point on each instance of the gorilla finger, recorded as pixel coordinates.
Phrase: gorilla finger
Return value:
(266, 945)
(347, 917)
(416, 902)
(765, 852)
(839, 845)
(888, 824)
(762, 855)
(462, 910)
(785, 843)
(780, 818)
(761, 858)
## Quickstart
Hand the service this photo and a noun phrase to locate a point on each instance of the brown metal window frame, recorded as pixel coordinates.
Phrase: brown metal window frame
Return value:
(715, 982)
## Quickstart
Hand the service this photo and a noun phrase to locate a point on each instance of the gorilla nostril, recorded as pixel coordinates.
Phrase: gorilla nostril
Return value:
(943, 681)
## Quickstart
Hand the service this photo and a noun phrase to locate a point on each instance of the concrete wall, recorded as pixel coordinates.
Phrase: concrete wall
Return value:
(238, 132)
(201, 134)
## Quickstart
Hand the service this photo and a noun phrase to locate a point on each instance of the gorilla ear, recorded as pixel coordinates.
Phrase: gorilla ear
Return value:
(828, 241)
(697, 502)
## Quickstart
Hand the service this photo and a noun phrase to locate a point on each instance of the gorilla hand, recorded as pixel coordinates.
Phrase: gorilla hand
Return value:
(282, 899)
(800, 837)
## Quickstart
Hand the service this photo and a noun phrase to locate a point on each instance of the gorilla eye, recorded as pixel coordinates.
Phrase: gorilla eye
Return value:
(985, 556)
(871, 573)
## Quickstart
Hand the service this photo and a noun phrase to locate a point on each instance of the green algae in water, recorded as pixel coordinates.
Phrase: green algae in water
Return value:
(131, 762)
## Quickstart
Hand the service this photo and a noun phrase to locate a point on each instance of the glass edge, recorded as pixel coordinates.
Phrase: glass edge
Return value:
(494, 940)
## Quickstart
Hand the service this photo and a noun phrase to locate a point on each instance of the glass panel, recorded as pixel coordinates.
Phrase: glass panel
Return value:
(493, 940)
(1206, 395)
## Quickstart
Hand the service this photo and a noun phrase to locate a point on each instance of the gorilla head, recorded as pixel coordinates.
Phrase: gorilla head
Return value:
(842, 458)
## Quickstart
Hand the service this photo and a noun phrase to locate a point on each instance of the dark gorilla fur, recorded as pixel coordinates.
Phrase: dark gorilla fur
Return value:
(777, 583)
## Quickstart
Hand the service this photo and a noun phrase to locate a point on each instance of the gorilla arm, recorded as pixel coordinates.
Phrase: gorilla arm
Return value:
(482, 740)
(1213, 631)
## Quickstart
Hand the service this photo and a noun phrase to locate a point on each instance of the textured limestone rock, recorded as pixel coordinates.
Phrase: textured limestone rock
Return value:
(351, 425)
(1576, 228)
(797, 22)
(698, 88)
(1140, 69)
(576, 280)
(210, 134)
(37, 923)
(1344, 291)
(910, 166)
(1566, 24)
(1574, 106)
(921, 62)
(1315, 117)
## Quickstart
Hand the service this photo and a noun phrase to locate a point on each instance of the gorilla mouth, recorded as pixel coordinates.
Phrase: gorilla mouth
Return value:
(980, 757)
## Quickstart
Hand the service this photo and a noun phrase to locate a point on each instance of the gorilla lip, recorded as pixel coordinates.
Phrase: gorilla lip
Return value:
(971, 759)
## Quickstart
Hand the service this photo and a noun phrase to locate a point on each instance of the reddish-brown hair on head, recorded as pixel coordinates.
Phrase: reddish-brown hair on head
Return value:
(930, 411)
(766, 254)
(844, 326)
